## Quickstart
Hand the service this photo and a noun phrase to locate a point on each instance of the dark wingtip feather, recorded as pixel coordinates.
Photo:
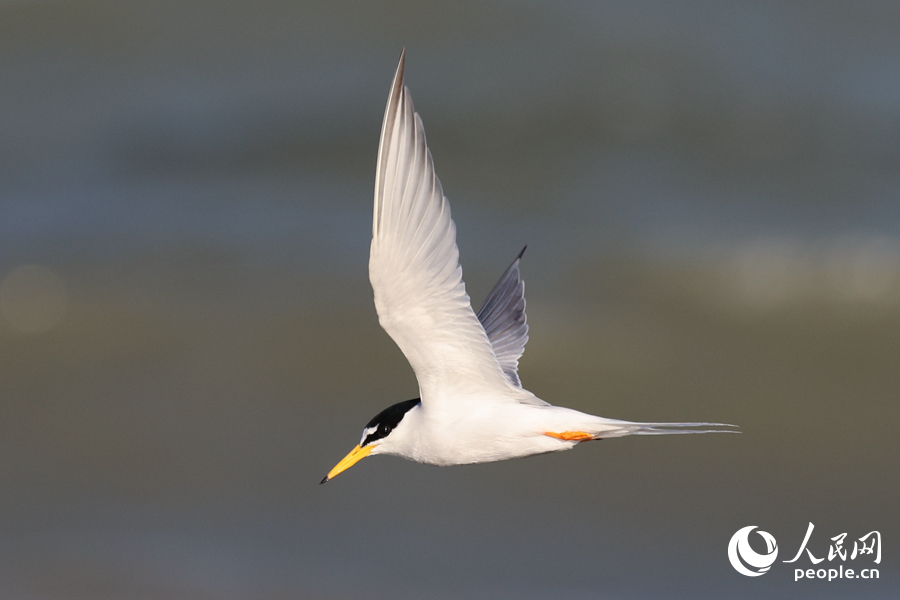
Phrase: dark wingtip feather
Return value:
(522, 252)
(398, 76)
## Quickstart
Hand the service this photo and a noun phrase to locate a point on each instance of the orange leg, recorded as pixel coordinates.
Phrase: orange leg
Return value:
(570, 436)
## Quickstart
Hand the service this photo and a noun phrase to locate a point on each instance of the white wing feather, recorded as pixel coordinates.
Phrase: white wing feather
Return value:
(414, 269)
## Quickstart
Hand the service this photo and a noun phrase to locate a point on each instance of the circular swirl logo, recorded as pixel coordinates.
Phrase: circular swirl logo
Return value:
(744, 559)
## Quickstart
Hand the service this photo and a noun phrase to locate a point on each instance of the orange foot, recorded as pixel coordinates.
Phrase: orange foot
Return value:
(571, 436)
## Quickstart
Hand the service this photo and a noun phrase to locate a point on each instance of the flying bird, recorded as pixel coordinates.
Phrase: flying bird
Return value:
(472, 406)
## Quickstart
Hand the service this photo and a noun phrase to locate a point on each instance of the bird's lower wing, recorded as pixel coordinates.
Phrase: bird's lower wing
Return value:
(414, 266)
(503, 317)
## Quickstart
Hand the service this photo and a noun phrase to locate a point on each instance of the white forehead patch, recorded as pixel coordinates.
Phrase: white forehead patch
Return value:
(366, 433)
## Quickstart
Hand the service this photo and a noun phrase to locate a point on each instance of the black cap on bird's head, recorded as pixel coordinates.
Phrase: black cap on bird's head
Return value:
(377, 429)
(384, 422)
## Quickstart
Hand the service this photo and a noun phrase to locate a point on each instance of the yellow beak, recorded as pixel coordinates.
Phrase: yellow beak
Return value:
(356, 455)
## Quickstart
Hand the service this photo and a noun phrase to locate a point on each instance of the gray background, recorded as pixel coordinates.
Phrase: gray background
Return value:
(710, 195)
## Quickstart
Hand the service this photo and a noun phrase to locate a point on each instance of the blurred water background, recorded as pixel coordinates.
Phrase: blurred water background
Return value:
(710, 194)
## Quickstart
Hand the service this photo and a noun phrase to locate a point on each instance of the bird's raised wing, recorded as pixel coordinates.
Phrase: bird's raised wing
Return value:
(503, 317)
(414, 268)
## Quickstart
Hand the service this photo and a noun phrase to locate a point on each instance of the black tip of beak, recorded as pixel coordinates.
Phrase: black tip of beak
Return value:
(324, 480)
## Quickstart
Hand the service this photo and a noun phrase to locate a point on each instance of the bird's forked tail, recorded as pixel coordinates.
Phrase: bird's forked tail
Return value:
(612, 428)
